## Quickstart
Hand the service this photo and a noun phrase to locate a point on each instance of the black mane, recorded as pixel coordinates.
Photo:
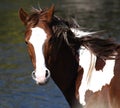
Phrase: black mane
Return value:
(103, 48)
(62, 30)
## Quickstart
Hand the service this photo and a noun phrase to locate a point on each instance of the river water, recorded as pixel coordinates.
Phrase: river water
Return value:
(17, 89)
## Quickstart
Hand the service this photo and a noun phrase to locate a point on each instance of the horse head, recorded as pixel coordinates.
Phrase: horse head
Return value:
(37, 32)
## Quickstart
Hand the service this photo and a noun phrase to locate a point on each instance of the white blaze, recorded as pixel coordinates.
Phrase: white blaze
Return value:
(98, 78)
(37, 39)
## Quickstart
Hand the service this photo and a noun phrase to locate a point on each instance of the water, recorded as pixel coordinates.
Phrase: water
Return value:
(17, 89)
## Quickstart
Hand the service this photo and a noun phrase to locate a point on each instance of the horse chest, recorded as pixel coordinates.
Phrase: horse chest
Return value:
(93, 80)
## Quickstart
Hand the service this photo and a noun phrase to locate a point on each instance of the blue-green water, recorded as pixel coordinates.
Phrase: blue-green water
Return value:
(17, 89)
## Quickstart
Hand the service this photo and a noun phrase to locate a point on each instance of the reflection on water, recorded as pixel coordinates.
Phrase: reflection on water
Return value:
(17, 89)
(96, 14)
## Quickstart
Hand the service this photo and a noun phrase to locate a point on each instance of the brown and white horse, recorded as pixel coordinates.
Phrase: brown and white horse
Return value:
(85, 68)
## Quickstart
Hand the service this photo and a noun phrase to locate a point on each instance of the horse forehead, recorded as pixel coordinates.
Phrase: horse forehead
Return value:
(37, 35)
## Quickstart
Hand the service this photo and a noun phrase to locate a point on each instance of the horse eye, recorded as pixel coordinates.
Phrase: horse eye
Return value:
(26, 42)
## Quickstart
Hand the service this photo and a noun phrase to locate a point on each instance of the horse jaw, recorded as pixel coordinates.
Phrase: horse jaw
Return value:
(37, 39)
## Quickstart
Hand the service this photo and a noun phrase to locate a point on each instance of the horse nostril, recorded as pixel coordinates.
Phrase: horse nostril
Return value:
(33, 75)
(47, 74)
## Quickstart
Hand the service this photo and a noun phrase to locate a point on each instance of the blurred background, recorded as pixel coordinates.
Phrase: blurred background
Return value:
(17, 89)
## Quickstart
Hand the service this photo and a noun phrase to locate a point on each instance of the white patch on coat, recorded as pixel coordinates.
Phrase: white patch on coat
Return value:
(98, 78)
(37, 39)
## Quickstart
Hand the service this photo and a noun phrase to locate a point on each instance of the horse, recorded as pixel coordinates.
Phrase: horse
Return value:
(84, 66)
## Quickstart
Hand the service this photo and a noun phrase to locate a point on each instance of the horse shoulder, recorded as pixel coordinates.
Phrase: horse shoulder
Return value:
(98, 79)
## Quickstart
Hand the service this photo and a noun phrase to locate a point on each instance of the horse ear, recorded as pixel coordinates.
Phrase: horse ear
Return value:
(49, 14)
(23, 16)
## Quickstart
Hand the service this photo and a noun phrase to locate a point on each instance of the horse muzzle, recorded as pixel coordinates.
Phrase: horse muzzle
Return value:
(41, 80)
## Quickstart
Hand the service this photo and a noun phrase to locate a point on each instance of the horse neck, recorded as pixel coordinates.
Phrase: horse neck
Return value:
(64, 71)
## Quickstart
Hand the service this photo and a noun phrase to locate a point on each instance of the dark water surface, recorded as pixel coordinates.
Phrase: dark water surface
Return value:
(17, 89)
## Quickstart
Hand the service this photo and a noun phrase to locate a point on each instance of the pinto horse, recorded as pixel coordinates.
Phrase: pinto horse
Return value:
(84, 67)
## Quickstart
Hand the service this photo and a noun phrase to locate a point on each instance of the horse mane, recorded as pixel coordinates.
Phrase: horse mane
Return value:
(62, 29)
(103, 48)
